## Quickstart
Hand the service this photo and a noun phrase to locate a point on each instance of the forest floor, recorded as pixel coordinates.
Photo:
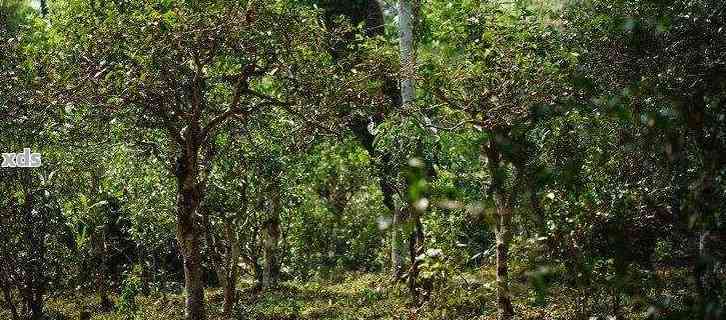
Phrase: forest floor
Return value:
(356, 296)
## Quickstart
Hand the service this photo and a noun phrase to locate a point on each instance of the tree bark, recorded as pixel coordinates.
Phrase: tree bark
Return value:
(502, 230)
(396, 259)
(408, 62)
(193, 285)
(231, 254)
(230, 296)
(34, 281)
(270, 242)
(416, 248)
(503, 237)
(44, 8)
(270, 276)
(408, 59)
(187, 230)
(99, 253)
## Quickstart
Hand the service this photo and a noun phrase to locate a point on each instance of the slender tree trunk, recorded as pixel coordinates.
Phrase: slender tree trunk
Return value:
(374, 23)
(408, 61)
(503, 236)
(35, 282)
(259, 272)
(44, 8)
(99, 252)
(710, 242)
(502, 230)
(416, 248)
(188, 233)
(228, 279)
(396, 259)
(271, 240)
(232, 254)
(98, 249)
(230, 286)
(617, 306)
(145, 273)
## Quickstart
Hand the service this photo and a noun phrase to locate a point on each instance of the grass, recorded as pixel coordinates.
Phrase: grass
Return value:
(357, 296)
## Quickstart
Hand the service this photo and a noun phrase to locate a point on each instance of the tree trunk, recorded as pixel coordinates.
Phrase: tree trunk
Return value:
(374, 23)
(270, 275)
(230, 296)
(503, 236)
(408, 59)
(44, 8)
(194, 288)
(503, 221)
(396, 260)
(710, 248)
(188, 233)
(145, 273)
(99, 252)
(706, 270)
(416, 248)
(258, 272)
(34, 281)
(98, 249)
(232, 253)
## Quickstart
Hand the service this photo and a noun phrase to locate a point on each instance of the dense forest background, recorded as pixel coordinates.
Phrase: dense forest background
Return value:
(363, 159)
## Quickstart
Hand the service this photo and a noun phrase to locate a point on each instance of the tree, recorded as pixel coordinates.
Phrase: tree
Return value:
(212, 68)
(667, 84)
(30, 209)
(509, 84)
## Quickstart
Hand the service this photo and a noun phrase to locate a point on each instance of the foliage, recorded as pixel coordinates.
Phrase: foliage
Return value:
(560, 160)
